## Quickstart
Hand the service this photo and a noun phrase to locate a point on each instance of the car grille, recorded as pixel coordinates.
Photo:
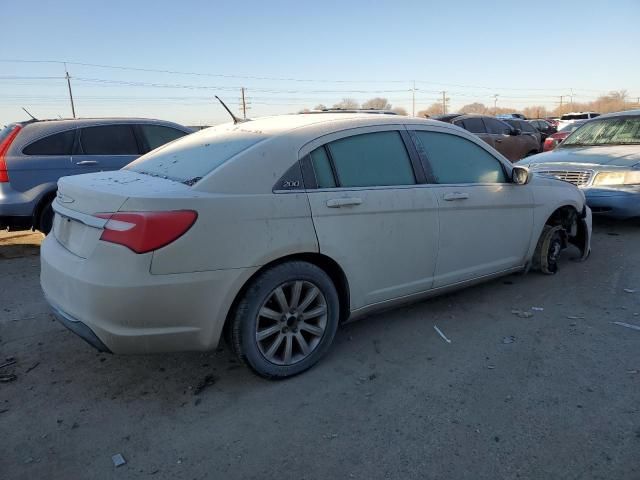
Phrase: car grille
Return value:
(577, 177)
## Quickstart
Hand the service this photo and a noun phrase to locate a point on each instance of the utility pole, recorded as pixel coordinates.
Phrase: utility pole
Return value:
(244, 105)
(444, 102)
(413, 99)
(561, 104)
(571, 89)
(73, 108)
(495, 103)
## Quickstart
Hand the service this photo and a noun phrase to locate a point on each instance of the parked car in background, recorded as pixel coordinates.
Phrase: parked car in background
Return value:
(569, 118)
(178, 254)
(507, 116)
(544, 127)
(602, 157)
(553, 121)
(500, 135)
(526, 129)
(555, 139)
(34, 154)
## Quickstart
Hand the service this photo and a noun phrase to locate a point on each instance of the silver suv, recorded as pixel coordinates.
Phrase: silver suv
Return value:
(36, 153)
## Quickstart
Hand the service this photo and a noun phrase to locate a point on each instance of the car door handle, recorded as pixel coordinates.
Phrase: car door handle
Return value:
(343, 202)
(87, 162)
(498, 140)
(449, 197)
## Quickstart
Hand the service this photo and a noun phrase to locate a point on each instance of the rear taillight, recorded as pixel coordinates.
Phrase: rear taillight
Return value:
(144, 232)
(4, 148)
(549, 144)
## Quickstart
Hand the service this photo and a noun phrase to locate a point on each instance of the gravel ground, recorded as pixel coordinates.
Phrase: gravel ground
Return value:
(555, 395)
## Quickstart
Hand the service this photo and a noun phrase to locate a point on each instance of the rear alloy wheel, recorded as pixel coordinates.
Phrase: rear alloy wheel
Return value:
(550, 245)
(286, 320)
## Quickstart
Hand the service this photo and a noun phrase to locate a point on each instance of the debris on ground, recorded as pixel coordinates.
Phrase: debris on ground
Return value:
(10, 361)
(441, 334)
(509, 339)
(575, 317)
(521, 313)
(491, 367)
(629, 290)
(118, 460)
(32, 367)
(628, 325)
(330, 436)
(537, 309)
(7, 377)
(206, 382)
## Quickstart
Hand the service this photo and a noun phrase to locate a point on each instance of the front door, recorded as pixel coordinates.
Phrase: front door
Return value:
(106, 147)
(486, 221)
(372, 216)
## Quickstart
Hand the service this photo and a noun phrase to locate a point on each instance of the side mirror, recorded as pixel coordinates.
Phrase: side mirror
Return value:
(515, 131)
(520, 175)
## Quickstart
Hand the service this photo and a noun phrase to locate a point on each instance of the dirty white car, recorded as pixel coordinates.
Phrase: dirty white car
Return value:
(277, 230)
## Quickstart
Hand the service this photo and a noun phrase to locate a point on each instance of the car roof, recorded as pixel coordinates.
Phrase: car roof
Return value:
(281, 124)
(620, 114)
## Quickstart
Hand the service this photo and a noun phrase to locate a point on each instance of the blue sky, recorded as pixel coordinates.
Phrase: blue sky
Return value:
(306, 53)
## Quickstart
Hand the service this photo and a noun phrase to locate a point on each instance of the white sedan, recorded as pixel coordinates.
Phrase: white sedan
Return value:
(278, 229)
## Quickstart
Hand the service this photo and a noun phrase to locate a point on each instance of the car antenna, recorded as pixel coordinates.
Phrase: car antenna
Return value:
(235, 119)
(29, 114)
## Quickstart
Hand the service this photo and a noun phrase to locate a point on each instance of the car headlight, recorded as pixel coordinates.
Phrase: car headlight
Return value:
(617, 178)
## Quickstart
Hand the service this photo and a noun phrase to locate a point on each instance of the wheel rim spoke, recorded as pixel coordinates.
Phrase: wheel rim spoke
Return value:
(267, 332)
(282, 299)
(274, 346)
(312, 329)
(288, 349)
(311, 296)
(295, 294)
(268, 313)
(304, 346)
(316, 312)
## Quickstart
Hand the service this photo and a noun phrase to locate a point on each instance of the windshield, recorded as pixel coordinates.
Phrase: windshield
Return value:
(571, 127)
(190, 158)
(609, 131)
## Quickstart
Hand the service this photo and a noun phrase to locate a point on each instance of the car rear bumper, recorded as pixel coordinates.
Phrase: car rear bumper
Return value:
(135, 311)
(620, 203)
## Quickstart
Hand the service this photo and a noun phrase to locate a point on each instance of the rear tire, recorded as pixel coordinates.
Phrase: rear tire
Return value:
(552, 241)
(45, 222)
(286, 320)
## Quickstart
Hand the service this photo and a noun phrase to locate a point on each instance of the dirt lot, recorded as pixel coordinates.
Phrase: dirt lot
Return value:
(556, 395)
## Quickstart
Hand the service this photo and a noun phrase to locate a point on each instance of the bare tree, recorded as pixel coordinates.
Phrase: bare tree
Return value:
(400, 111)
(535, 111)
(475, 107)
(320, 106)
(347, 104)
(377, 103)
(433, 109)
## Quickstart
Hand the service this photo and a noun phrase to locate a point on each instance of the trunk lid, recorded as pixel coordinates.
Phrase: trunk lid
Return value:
(80, 197)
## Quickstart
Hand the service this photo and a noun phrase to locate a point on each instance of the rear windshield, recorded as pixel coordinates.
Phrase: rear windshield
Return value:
(607, 131)
(190, 158)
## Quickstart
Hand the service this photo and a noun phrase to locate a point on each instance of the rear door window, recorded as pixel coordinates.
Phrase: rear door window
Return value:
(322, 168)
(473, 125)
(497, 127)
(56, 144)
(158, 135)
(454, 159)
(525, 127)
(109, 140)
(371, 160)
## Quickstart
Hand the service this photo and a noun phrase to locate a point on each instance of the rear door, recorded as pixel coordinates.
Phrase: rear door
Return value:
(106, 147)
(485, 220)
(507, 144)
(372, 212)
